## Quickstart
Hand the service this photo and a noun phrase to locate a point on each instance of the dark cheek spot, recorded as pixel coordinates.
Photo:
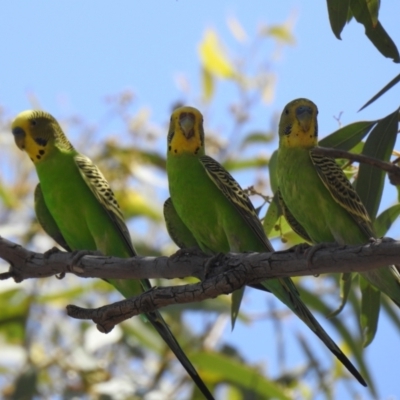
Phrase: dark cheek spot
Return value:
(288, 130)
(41, 141)
(175, 151)
(38, 157)
(41, 152)
(169, 148)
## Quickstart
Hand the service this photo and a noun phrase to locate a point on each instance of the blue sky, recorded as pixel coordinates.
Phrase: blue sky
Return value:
(72, 54)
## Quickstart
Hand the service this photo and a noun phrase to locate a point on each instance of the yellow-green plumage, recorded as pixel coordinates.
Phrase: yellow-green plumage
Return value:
(317, 199)
(75, 197)
(46, 220)
(177, 230)
(220, 215)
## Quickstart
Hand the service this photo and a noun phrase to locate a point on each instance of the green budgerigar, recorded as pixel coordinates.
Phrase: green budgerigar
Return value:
(76, 206)
(220, 215)
(316, 197)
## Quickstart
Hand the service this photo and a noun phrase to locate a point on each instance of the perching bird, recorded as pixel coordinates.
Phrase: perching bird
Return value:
(317, 199)
(220, 215)
(76, 206)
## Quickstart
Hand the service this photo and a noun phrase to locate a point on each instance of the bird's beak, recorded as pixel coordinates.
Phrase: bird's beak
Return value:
(186, 121)
(19, 137)
(304, 115)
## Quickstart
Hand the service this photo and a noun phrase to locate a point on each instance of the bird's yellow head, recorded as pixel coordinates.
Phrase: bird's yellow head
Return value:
(38, 133)
(298, 125)
(186, 133)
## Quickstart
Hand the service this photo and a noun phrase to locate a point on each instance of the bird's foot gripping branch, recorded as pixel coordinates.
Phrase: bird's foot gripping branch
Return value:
(229, 273)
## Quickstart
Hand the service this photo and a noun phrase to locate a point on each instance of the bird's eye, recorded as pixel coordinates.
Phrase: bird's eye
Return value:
(33, 122)
(286, 111)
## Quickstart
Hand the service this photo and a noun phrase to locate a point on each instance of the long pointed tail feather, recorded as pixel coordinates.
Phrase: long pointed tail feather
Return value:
(285, 290)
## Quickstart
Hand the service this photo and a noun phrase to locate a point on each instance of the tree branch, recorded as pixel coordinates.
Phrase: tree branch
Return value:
(220, 274)
(392, 170)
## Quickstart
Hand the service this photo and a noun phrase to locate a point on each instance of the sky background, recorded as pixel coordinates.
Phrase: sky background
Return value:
(71, 55)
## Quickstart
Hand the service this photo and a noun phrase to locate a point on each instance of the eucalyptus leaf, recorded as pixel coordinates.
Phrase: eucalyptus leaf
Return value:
(273, 179)
(393, 82)
(374, 30)
(380, 144)
(338, 11)
(351, 342)
(370, 305)
(272, 215)
(385, 220)
(220, 367)
(254, 162)
(345, 282)
(349, 136)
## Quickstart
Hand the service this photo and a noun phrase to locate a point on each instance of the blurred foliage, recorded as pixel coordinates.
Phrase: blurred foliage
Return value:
(366, 13)
(47, 355)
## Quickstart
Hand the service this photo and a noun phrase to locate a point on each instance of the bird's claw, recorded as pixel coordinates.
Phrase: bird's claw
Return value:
(310, 252)
(383, 239)
(185, 253)
(298, 249)
(211, 261)
(76, 259)
(50, 252)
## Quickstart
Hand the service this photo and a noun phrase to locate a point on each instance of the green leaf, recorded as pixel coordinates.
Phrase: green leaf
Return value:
(348, 137)
(385, 220)
(126, 154)
(213, 56)
(257, 137)
(391, 310)
(345, 282)
(349, 15)
(14, 312)
(25, 386)
(208, 85)
(273, 179)
(375, 32)
(393, 82)
(370, 305)
(279, 32)
(217, 367)
(254, 162)
(220, 305)
(353, 344)
(135, 204)
(383, 42)
(373, 8)
(272, 215)
(379, 144)
(338, 11)
(358, 148)
(7, 196)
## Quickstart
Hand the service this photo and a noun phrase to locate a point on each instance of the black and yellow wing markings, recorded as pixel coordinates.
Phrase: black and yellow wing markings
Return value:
(235, 194)
(342, 191)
